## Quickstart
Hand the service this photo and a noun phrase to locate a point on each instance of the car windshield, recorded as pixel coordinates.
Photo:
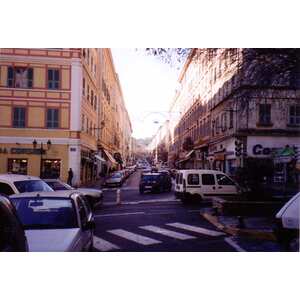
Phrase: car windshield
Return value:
(59, 186)
(32, 186)
(150, 177)
(46, 213)
(116, 175)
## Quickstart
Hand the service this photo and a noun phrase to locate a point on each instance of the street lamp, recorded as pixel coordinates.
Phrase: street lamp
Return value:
(34, 143)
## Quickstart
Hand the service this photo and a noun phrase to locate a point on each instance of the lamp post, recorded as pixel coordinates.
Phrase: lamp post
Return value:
(34, 143)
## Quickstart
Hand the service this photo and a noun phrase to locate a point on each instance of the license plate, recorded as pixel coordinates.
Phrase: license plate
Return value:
(148, 187)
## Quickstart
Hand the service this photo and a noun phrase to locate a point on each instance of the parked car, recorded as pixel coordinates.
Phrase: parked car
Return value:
(93, 196)
(287, 230)
(14, 184)
(12, 235)
(154, 182)
(201, 184)
(55, 221)
(116, 179)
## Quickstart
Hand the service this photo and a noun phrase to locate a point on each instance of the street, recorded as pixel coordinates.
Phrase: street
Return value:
(154, 222)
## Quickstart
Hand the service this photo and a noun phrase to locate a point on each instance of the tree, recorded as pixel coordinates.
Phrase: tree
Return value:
(175, 57)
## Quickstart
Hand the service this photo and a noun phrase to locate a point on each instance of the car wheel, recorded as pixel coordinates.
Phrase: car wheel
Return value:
(141, 192)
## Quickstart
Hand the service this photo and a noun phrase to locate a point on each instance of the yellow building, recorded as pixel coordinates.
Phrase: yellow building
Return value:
(36, 123)
(114, 123)
(58, 109)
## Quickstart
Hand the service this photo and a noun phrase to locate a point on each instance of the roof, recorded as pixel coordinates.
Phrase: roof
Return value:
(17, 177)
(55, 194)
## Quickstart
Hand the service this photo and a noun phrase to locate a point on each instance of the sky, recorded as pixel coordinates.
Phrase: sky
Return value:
(148, 87)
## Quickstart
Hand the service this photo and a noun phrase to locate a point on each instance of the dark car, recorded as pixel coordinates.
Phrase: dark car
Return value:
(93, 196)
(155, 182)
(12, 235)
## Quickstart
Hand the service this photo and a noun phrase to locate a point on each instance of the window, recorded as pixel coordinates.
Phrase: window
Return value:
(294, 115)
(17, 166)
(25, 186)
(19, 117)
(6, 189)
(193, 179)
(92, 98)
(217, 125)
(180, 178)
(231, 118)
(265, 114)
(20, 77)
(224, 180)
(52, 118)
(95, 103)
(53, 79)
(208, 179)
(83, 86)
(88, 93)
(82, 123)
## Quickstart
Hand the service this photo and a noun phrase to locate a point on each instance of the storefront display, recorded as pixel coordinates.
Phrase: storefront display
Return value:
(51, 168)
(17, 166)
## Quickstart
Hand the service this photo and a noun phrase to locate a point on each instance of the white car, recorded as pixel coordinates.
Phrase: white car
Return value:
(201, 184)
(55, 221)
(93, 196)
(287, 218)
(15, 184)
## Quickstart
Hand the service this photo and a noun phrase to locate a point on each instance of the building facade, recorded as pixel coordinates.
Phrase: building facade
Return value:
(239, 104)
(54, 114)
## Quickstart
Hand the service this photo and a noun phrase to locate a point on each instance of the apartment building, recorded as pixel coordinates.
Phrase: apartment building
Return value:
(58, 110)
(39, 132)
(239, 104)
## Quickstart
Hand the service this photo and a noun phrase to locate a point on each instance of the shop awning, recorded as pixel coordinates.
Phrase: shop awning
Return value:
(109, 156)
(100, 158)
(187, 157)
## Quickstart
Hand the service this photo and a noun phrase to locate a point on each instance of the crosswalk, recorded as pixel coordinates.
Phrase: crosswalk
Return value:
(191, 232)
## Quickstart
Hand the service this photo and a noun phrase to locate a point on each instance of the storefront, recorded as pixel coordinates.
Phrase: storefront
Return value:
(283, 151)
(26, 160)
(88, 166)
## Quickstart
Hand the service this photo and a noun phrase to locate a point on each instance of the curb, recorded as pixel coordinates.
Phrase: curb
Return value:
(250, 233)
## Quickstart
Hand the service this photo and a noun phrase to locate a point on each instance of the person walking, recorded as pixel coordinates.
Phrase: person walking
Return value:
(70, 176)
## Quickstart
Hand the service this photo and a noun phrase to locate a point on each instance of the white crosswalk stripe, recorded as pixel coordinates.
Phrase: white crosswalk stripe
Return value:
(137, 238)
(103, 245)
(196, 229)
(169, 233)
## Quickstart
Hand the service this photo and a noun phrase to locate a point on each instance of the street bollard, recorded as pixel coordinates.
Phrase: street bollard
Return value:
(118, 198)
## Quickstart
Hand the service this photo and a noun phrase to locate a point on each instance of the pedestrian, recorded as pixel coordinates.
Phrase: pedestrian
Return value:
(70, 176)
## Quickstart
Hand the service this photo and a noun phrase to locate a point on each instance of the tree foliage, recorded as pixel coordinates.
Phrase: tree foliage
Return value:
(175, 57)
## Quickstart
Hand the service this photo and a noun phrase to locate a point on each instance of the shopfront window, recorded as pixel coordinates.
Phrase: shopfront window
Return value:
(17, 166)
(51, 168)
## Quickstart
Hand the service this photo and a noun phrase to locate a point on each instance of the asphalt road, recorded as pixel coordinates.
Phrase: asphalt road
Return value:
(154, 222)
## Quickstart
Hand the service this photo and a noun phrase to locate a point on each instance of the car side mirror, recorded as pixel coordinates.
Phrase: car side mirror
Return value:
(90, 225)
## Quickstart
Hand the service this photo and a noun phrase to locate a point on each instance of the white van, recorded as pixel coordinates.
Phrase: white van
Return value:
(201, 184)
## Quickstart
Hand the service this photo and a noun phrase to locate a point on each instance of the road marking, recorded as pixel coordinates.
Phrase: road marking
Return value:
(152, 201)
(120, 214)
(166, 232)
(234, 245)
(137, 238)
(103, 245)
(196, 229)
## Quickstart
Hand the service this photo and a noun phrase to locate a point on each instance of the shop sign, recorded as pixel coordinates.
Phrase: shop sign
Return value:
(27, 151)
(22, 151)
(260, 150)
